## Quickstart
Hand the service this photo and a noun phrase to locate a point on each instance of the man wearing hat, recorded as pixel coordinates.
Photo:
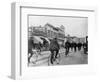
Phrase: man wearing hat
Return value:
(54, 48)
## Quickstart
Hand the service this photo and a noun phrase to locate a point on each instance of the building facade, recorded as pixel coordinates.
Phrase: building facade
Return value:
(37, 31)
(49, 31)
(58, 32)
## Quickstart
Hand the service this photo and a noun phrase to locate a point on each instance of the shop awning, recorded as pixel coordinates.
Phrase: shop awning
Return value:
(37, 39)
(46, 39)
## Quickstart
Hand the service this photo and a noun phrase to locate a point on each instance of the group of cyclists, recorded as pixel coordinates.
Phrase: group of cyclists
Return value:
(54, 48)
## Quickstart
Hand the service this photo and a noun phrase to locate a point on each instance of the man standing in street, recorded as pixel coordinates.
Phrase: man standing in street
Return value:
(79, 46)
(74, 45)
(67, 46)
(54, 49)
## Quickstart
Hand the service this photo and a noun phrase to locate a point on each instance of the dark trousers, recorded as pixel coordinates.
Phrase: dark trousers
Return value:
(79, 48)
(75, 48)
(67, 51)
(71, 48)
(54, 54)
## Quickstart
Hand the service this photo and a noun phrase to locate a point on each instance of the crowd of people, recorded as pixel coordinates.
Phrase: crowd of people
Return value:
(54, 47)
(74, 46)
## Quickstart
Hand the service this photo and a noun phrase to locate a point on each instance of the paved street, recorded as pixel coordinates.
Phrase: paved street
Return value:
(73, 58)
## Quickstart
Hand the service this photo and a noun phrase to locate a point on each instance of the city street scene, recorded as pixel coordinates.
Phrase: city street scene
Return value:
(57, 40)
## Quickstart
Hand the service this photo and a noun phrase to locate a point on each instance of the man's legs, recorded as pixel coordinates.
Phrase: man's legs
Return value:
(75, 48)
(71, 48)
(68, 49)
(66, 53)
(52, 54)
(57, 51)
(78, 48)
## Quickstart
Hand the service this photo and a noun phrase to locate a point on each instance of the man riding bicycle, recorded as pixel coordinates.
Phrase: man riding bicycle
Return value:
(54, 49)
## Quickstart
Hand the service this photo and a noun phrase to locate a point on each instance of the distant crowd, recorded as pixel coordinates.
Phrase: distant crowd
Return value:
(74, 46)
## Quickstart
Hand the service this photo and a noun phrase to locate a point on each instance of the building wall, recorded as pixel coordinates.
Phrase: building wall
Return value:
(37, 31)
(48, 31)
(54, 32)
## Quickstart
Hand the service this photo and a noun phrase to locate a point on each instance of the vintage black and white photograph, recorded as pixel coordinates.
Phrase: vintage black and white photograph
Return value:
(57, 40)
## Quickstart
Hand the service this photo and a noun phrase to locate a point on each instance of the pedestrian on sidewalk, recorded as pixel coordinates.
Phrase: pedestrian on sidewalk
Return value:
(79, 46)
(85, 47)
(67, 46)
(74, 45)
(54, 49)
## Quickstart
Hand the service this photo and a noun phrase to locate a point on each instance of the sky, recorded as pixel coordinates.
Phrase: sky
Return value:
(74, 26)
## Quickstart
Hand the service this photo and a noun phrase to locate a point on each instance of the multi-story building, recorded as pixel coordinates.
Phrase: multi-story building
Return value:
(37, 31)
(53, 32)
(48, 31)
(61, 34)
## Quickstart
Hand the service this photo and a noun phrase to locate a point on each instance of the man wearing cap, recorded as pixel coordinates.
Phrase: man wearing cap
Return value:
(54, 47)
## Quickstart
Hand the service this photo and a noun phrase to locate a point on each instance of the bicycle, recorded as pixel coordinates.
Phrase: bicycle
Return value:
(34, 58)
(54, 59)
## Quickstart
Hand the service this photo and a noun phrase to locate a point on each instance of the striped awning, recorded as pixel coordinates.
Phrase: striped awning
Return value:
(46, 39)
(37, 39)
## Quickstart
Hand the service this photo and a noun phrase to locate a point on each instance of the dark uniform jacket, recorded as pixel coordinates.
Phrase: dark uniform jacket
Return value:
(54, 45)
(67, 44)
